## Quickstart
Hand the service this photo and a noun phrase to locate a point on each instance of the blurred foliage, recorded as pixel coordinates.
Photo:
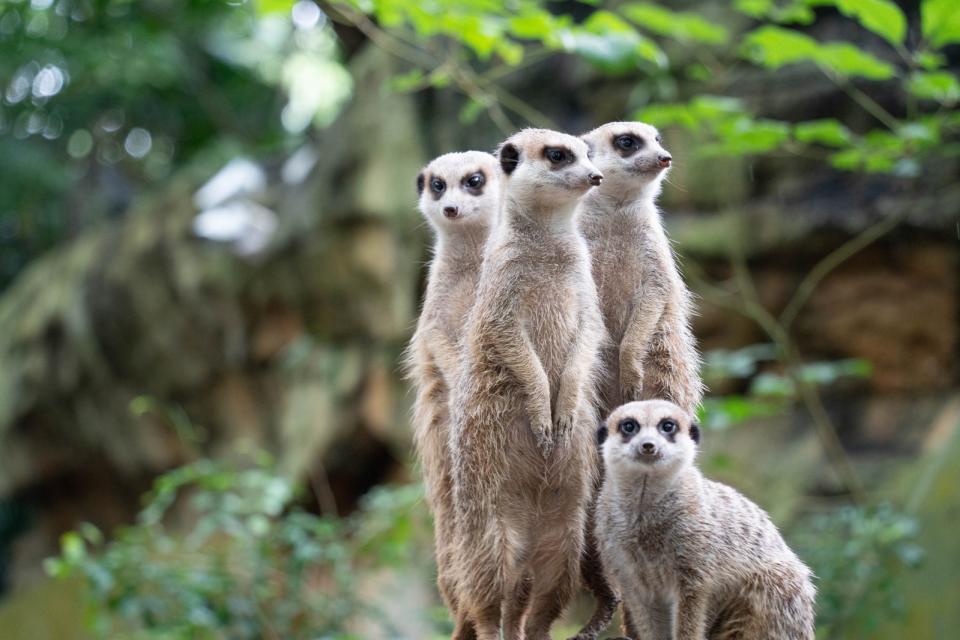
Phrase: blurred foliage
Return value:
(634, 37)
(768, 388)
(254, 564)
(102, 98)
(860, 557)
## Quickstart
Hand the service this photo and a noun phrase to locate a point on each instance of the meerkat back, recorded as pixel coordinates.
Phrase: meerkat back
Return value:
(459, 197)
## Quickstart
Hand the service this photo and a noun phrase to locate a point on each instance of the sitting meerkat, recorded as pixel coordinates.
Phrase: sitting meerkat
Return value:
(693, 558)
(521, 436)
(645, 304)
(460, 198)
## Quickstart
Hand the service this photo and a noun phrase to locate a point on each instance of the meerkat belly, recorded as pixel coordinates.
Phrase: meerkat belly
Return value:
(551, 320)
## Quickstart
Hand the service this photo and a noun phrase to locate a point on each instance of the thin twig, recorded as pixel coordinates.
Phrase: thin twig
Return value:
(830, 262)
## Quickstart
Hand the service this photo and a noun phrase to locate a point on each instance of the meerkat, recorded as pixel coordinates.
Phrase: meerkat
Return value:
(521, 435)
(460, 197)
(646, 305)
(693, 558)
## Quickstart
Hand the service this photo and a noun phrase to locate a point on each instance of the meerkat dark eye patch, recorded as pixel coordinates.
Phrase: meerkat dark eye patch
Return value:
(659, 139)
(627, 144)
(509, 158)
(558, 156)
(438, 186)
(695, 432)
(473, 183)
(628, 427)
(668, 428)
(421, 183)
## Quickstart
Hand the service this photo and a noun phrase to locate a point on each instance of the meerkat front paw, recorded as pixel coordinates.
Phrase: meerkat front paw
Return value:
(541, 423)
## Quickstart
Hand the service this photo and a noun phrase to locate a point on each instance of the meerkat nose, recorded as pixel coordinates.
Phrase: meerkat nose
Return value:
(648, 447)
(450, 212)
(596, 179)
(665, 160)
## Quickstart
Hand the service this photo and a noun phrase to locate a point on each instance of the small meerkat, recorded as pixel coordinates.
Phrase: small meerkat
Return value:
(460, 198)
(693, 558)
(646, 305)
(521, 435)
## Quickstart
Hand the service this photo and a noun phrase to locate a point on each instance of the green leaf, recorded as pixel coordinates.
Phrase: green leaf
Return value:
(941, 86)
(683, 26)
(471, 111)
(611, 44)
(931, 61)
(265, 7)
(848, 60)
(940, 22)
(407, 81)
(774, 47)
(795, 11)
(827, 132)
(880, 16)
(754, 8)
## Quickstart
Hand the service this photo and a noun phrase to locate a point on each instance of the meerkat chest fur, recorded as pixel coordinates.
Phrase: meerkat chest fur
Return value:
(627, 247)
(452, 286)
(550, 273)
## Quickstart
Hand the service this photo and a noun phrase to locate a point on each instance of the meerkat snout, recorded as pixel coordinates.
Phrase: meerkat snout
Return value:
(596, 179)
(665, 160)
(451, 211)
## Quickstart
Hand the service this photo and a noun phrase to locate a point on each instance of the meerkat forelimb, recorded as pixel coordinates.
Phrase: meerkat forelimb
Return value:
(459, 196)
(521, 433)
(693, 558)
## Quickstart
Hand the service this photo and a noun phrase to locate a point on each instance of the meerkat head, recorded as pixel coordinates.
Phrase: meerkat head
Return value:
(460, 190)
(650, 437)
(547, 167)
(631, 157)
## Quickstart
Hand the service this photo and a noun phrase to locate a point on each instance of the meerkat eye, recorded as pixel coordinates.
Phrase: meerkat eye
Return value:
(629, 427)
(437, 185)
(475, 181)
(627, 142)
(668, 426)
(659, 140)
(554, 155)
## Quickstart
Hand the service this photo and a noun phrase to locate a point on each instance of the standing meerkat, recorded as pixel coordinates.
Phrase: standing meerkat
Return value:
(521, 435)
(693, 558)
(460, 198)
(646, 305)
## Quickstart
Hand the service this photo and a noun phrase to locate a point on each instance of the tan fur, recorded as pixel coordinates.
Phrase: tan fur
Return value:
(522, 430)
(646, 306)
(433, 357)
(693, 558)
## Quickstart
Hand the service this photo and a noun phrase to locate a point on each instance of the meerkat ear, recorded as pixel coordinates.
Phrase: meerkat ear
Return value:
(695, 432)
(509, 157)
(601, 434)
(421, 182)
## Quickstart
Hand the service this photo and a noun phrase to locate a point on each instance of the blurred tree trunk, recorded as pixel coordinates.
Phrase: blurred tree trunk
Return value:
(141, 345)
